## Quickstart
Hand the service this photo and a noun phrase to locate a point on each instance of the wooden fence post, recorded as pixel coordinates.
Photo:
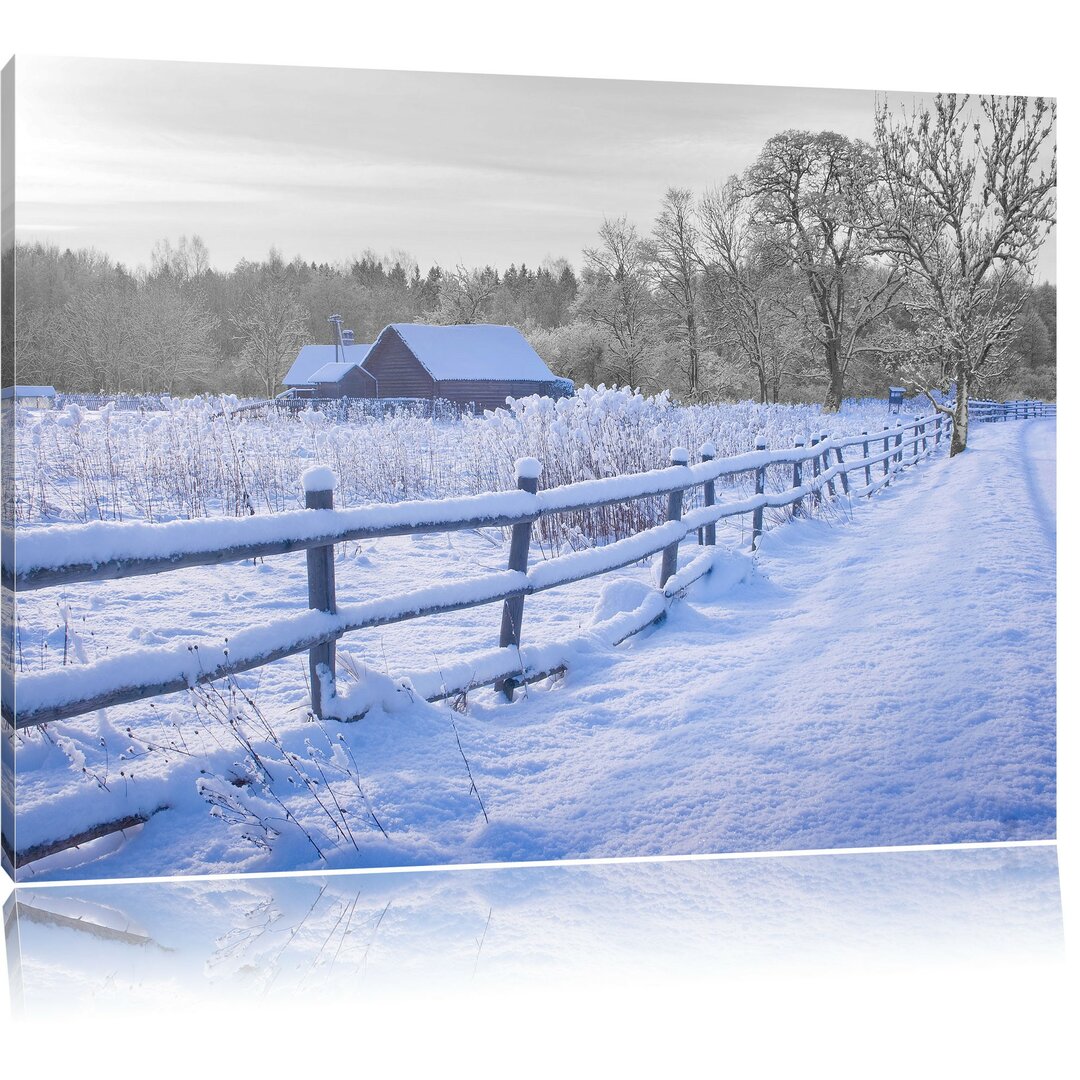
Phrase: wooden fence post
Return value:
(843, 470)
(796, 479)
(815, 498)
(886, 447)
(899, 443)
(825, 466)
(759, 489)
(528, 479)
(866, 454)
(937, 432)
(708, 452)
(319, 486)
(670, 560)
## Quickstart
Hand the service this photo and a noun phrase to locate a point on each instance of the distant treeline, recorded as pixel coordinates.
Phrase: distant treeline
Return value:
(799, 280)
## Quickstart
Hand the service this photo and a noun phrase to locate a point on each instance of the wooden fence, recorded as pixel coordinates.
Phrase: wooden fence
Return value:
(997, 411)
(376, 408)
(850, 466)
(123, 402)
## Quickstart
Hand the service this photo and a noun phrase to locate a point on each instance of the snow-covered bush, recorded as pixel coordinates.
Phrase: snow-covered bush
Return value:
(197, 457)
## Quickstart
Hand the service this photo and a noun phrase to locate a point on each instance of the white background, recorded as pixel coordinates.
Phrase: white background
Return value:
(944, 1021)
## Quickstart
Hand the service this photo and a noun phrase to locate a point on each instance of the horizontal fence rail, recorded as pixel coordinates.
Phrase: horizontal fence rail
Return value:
(835, 467)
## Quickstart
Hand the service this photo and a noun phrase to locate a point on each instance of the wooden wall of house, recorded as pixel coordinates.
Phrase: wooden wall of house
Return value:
(353, 384)
(399, 373)
(489, 393)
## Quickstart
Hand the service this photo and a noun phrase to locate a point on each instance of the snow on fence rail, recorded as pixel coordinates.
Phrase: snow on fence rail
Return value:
(110, 550)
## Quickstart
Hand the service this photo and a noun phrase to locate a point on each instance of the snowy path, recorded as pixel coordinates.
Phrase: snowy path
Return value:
(883, 677)
(885, 680)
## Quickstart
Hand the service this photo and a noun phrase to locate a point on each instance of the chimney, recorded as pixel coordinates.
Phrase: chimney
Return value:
(339, 353)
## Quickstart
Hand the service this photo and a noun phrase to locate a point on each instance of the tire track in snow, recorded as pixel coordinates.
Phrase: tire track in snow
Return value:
(1040, 473)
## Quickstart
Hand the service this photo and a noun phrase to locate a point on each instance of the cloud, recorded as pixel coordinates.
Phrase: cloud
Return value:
(489, 169)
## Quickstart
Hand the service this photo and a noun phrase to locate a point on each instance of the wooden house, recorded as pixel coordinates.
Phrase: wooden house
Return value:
(477, 365)
(343, 380)
(313, 358)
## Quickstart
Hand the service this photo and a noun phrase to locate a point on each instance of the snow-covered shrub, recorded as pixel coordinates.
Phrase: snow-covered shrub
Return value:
(197, 457)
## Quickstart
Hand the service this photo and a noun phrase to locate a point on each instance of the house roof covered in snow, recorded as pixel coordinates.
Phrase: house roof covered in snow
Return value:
(313, 357)
(478, 351)
(27, 391)
(337, 372)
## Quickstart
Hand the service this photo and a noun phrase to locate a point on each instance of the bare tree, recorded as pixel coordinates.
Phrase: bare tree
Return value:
(465, 295)
(814, 196)
(616, 297)
(746, 287)
(676, 264)
(270, 326)
(968, 209)
(172, 338)
(189, 259)
(96, 331)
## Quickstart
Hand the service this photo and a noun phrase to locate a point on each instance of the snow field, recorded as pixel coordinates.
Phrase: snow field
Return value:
(415, 775)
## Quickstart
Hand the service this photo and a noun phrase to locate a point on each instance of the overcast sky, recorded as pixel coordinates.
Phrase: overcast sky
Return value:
(325, 163)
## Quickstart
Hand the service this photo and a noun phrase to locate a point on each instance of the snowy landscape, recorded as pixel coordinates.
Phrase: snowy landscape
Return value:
(495, 469)
(875, 673)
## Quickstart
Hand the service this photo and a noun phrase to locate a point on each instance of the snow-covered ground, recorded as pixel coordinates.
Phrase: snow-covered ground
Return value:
(879, 676)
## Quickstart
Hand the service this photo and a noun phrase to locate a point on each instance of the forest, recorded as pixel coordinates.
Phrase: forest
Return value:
(829, 268)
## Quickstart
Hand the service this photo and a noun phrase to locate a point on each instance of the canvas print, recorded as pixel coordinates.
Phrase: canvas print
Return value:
(416, 469)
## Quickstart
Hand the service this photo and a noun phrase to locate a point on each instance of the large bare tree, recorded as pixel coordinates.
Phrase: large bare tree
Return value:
(465, 296)
(269, 326)
(746, 287)
(814, 197)
(970, 203)
(172, 338)
(675, 260)
(616, 298)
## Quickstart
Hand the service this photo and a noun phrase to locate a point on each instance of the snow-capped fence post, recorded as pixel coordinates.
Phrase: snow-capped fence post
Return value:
(796, 479)
(319, 486)
(925, 438)
(670, 561)
(816, 461)
(825, 465)
(759, 489)
(899, 443)
(708, 452)
(866, 454)
(886, 446)
(528, 479)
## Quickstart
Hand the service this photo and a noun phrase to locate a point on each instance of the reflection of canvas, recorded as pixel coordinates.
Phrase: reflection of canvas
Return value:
(239, 942)
(477, 522)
